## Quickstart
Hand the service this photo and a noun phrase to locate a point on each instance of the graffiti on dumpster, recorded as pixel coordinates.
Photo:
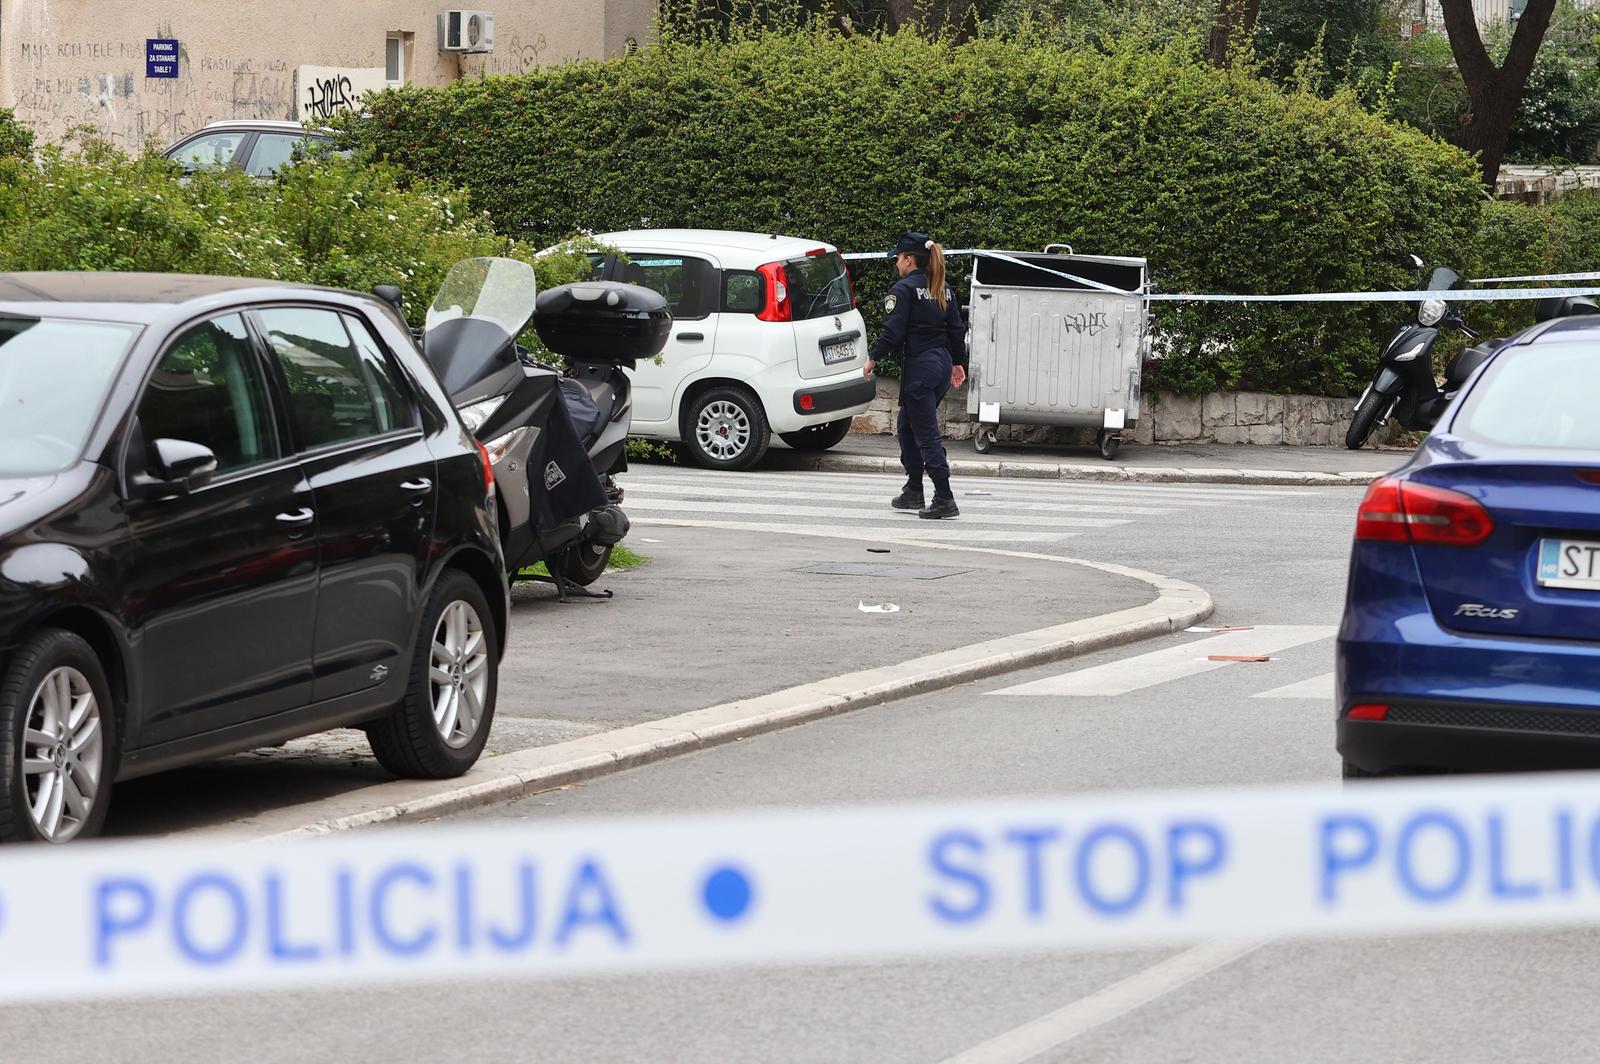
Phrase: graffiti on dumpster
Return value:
(1093, 324)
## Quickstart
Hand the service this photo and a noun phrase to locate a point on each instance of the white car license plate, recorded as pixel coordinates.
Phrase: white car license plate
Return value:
(843, 351)
(1569, 563)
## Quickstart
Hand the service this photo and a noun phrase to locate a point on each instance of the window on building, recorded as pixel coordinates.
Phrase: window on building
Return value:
(396, 49)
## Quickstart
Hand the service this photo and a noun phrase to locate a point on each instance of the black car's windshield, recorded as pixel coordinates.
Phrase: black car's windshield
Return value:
(54, 374)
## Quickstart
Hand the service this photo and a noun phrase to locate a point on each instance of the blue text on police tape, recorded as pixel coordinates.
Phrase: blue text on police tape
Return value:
(405, 909)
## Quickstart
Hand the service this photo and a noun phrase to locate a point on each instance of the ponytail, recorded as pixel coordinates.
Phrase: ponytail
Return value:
(932, 261)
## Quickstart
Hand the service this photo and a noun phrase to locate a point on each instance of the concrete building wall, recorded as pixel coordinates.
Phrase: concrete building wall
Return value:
(65, 63)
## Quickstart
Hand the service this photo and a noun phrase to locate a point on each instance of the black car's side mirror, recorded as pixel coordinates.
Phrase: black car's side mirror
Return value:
(391, 294)
(183, 465)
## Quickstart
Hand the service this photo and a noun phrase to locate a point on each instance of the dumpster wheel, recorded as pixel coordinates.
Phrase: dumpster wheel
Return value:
(1110, 443)
(983, 439)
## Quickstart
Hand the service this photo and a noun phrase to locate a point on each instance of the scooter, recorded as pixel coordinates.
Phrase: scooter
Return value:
(554, 439)
(1404, 387)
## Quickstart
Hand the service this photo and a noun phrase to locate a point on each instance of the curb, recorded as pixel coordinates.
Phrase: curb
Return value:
(1105, 472)
(1176, 606)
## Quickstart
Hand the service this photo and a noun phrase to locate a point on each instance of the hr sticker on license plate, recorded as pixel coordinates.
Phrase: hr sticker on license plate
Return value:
(843, 351)
(1569, 563)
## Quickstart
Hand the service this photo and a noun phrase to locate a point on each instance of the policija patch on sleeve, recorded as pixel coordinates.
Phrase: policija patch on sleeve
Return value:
(889, 304)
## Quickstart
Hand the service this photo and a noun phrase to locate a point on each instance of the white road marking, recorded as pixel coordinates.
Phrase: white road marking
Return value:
(732, 482)
(910, 531)
(1318, 687)
(1056, 1029)
(1173, 663)
(880, 500)
(843, 513)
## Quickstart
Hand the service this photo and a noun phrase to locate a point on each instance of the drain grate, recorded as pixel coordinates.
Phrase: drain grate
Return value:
(904, 572)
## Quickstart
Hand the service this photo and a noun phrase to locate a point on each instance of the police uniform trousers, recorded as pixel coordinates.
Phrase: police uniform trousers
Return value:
(923, 383)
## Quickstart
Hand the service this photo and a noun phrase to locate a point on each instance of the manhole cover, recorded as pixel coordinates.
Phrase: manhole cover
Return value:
(905, 572)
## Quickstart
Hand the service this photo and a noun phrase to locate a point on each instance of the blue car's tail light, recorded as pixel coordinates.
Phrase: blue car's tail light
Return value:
(1401, 511)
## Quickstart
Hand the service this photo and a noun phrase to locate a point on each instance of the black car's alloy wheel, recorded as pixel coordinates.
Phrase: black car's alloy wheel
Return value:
(57, 741)
(439, 728)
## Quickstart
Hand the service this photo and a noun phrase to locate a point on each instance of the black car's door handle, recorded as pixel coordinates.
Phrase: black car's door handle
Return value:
(691, 338)
(420, 486)
(299, 518)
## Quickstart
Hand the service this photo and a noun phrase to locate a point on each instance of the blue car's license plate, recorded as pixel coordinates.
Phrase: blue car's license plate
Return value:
(1569, 563)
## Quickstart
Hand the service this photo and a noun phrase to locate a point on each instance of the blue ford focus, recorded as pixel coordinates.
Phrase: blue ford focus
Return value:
(1471, 632)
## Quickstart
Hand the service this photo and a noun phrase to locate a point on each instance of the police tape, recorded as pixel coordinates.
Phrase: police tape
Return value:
(566, 898)
(1539, 277)
(1413, 296)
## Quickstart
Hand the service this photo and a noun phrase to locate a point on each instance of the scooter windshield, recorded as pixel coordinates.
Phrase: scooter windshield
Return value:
(501, 291)
(471, 327)
(1443, 279)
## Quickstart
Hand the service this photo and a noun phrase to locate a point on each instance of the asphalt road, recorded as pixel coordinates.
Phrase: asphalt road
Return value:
(1273, 560)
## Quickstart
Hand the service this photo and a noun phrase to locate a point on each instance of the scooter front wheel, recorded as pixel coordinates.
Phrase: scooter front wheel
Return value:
(1370, 413)
(582, 563)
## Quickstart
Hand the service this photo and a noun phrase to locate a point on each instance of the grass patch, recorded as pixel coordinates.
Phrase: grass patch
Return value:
(622, 559)
(640, 450)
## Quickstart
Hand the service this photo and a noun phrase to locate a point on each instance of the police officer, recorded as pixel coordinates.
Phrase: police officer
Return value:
(922, 321)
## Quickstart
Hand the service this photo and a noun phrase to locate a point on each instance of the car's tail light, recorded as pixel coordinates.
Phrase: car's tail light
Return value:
(808, 402)
(778, 307)
(849, 279)
(1370, 711)
(1589, 476)
(815, 252)
(1401, 511)
(488, 467)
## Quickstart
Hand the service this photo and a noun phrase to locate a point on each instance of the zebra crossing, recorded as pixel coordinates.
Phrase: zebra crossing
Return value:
(1191, 658)
(995, 511)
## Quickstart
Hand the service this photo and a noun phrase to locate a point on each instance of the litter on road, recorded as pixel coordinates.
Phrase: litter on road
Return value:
(884, 607)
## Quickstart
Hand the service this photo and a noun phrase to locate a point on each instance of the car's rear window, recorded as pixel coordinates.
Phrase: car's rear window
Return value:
(54, 374)
(818, 286)
(1539, 396)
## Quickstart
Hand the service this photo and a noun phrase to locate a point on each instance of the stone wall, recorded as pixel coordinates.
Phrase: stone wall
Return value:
(1222, 417)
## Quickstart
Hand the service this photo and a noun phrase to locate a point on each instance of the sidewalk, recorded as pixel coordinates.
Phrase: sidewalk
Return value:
(1202, 463)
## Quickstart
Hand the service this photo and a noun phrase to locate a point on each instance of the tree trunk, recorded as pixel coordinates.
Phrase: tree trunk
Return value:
(1495, 92)
(1236, 19)
(937, 16)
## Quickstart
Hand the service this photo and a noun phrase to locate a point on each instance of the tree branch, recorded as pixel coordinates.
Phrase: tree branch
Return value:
(1477, 69)
(1525, 44)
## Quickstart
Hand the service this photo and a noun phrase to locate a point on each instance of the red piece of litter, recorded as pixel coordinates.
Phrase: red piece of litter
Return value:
(1237, 657)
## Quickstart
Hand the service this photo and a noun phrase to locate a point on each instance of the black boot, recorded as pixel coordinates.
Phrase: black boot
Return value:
(942, 506)
(910, 497)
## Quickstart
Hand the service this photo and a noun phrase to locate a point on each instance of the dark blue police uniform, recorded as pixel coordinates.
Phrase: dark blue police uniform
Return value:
(932, 340)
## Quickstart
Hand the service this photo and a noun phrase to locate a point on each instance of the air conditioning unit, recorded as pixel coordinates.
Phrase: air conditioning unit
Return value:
(466, 31)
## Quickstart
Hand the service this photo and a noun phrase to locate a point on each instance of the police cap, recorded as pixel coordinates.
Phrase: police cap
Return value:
(912, 244)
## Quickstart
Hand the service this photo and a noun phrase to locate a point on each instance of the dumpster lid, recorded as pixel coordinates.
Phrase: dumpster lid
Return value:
(1122, 272)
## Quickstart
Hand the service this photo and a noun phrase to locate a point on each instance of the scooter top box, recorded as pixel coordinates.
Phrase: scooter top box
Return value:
(603, 321)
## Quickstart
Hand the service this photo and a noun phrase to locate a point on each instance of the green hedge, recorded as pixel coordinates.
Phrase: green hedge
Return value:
(1222, 180)
(329, 221)
(1517, 239)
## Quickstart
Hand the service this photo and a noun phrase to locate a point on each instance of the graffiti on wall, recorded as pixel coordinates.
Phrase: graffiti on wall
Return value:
(60, 85)
(325, 91)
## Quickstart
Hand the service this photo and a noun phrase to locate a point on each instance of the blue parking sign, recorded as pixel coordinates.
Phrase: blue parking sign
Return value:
(160, 57)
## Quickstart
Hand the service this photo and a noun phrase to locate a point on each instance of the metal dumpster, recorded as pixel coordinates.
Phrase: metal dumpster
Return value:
(1046, 350)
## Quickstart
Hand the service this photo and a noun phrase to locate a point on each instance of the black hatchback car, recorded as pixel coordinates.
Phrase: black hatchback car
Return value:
(231, 513)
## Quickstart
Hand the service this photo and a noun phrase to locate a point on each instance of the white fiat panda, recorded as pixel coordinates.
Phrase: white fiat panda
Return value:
(766, 338)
